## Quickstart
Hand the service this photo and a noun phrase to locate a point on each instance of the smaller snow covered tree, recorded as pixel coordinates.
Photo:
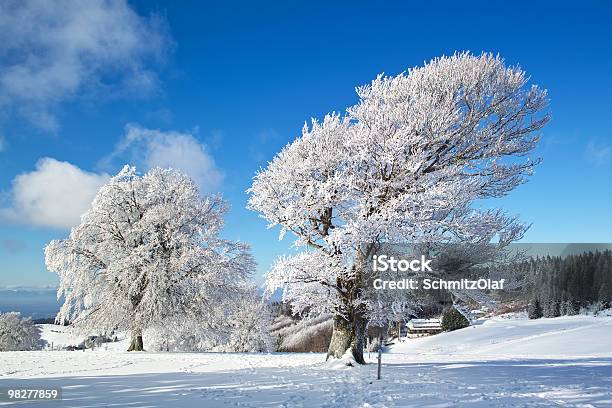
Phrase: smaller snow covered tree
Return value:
(535, 309)
(18, 334)
(605, 292)
(148, 254)
(570, 308)
(249, 324)
(551, 308)
(452, 319)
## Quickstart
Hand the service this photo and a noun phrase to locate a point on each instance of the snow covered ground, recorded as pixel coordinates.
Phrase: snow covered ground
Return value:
(58, 337)
(503, 362)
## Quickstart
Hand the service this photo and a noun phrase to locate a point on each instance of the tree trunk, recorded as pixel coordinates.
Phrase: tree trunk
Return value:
(350, 322)
(360, 338)
(348, 335)
(136, 341)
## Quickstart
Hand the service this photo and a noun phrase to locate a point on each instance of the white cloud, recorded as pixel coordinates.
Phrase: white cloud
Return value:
(54, 195)
(52, 51)
(148, 148)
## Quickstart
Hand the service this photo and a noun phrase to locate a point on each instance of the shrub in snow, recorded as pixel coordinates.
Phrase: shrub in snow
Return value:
(17, 334)
(593, 309)
(452, 319)
(535, 309)
(180, 333)
(604, 312)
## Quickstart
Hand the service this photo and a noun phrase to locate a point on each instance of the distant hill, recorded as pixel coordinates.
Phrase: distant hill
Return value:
(33, 302)
(41, 302)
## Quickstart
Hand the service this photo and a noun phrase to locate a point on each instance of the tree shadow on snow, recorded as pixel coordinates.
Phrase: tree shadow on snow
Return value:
(474, 384)
(521, 382)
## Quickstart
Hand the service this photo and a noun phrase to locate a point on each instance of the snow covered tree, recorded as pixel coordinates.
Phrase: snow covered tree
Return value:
(18, 334)
(405, 164)
(250, 323)
(239, 325)
(567, 308)
(147, 252)
(534, 311)
(551, 308)
(452, 319)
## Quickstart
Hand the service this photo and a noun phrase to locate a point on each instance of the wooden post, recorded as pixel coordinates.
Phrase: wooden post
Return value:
(379, 362)
(380, 341)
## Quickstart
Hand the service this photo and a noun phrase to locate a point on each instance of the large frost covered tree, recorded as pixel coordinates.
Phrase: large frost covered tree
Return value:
(405, 164)
(147, 252)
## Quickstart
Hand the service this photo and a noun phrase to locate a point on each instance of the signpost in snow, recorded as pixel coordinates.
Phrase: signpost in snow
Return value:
(379, 361)
(380, 343)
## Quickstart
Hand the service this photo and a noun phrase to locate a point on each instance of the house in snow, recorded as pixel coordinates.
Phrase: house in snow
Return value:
(423, 327)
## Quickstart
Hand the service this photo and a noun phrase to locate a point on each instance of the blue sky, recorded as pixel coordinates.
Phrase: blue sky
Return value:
(231, 83)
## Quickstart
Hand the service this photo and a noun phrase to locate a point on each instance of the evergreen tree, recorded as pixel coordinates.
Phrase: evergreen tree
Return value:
(551, 308)
(571, 309)
(535, 309)
(571, 282)
(452, 319)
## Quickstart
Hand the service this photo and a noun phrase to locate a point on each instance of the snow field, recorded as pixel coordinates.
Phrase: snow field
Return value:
(563, 362)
